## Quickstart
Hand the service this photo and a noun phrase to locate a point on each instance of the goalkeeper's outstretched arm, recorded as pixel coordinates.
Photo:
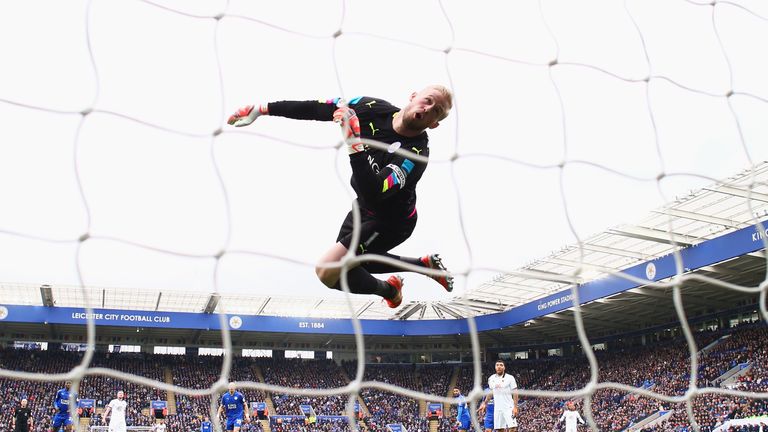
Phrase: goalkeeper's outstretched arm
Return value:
(320, 110)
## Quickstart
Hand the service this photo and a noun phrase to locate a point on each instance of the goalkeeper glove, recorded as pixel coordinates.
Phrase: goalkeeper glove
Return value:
(247, 115)
(350, 127)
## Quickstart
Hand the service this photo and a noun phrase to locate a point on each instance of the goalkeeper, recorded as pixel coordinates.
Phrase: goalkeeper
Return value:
(385, 181)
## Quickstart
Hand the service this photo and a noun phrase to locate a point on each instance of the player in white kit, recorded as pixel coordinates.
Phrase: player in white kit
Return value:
(503, 386)
(571, 417)
(117, 408)
(159, 426)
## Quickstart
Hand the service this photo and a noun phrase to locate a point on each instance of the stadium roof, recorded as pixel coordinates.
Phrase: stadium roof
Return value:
(700, 216)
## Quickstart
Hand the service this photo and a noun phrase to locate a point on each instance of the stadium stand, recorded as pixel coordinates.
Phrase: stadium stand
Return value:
(662, 366)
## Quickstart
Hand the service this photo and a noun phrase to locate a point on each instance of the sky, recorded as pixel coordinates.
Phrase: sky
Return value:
(617, 93)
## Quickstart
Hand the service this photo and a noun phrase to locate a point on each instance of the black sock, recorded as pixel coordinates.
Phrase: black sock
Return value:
(380, 267)
(361, 282)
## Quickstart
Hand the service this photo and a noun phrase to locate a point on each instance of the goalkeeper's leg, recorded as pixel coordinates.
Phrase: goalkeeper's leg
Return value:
(432, 261)
(360, 280)
(377, 237)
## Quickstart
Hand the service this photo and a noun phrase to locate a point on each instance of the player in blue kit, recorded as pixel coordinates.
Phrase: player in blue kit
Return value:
(205, 426)
(233, 403)
(61, 402)
(489, 414)
(463, 418)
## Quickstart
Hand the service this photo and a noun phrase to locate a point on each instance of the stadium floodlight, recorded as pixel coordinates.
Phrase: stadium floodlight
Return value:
(46, 294)
(213, 301)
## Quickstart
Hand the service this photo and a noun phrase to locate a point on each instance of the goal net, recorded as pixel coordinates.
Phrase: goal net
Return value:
(569, 117)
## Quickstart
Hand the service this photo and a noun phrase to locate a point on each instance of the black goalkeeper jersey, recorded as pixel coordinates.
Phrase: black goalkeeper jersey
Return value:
(385, 182)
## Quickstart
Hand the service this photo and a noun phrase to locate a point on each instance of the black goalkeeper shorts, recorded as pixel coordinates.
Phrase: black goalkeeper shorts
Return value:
(377, 234)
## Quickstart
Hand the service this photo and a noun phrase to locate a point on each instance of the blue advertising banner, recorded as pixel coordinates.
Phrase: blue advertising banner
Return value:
(258, 406)
(86, 403)
(287, 419)
(396, 427)
(332, 418)
(158, 404)
(710, 252)
(433, 407)
(728, 246)
(306, 409)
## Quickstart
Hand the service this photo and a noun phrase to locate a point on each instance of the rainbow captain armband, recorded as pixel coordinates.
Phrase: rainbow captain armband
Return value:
(397, 176)
(335, 101)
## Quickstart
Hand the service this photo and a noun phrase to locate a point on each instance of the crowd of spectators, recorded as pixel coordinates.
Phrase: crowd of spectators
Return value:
(100, 388)
(199, 372)
(386, 407)
(103, 389)
(319, 426)
(739, 348)
(663, 367)
(435, 379)
(306, 374)
(39, 394)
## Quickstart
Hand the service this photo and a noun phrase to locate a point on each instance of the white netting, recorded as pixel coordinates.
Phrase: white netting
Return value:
(136, 98)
